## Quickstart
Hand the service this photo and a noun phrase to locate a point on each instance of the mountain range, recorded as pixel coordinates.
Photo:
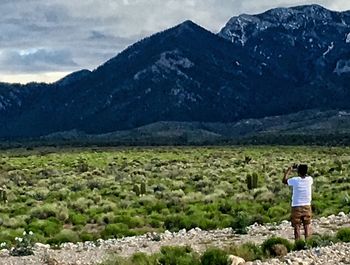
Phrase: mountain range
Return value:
(274, 64)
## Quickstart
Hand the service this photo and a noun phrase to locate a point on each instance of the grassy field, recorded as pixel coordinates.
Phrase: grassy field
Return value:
(84, 194)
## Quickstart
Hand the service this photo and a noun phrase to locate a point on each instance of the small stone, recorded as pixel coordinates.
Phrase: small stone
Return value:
(182, 231)
(342, 214)
(289, 262)
(234, 260)
(4, 253)
(41, 246)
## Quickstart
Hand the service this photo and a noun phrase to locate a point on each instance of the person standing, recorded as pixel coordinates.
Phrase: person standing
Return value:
(301, 199)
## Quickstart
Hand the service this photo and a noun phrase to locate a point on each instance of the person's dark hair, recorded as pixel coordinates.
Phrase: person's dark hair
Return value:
(302, 170)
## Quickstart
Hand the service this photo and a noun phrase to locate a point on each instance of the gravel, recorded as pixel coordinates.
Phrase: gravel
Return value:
(89, 253)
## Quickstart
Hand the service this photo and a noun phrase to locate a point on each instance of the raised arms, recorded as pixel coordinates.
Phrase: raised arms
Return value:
(286, 175)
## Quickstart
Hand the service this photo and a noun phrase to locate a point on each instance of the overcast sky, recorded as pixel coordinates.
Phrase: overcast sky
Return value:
(43, 40)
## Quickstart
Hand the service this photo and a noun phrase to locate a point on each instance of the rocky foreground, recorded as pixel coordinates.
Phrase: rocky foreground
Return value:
(91, 253)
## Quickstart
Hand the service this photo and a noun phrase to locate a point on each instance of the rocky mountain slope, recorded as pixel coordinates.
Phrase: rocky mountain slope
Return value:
(306, 44)
(276, 63)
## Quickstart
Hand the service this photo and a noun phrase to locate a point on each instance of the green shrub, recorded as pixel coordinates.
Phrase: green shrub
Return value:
(155, 223)
(86, 236)
(143, 188)
(318, 207)
(66, 235)
(343, 234)
(81, 166)
(299, 245)
(94, 184)
(320, 241)
(174, 222)
(136, 189)
(81, 204)
(214, 256)
(268, 246)
(18, 221)
(277, 211)
(131, 222)
(23, 245)
(143, 259)
(248, 251)
(178, 256)
(48, 227)
(78, 219)
(241, 222)
(8, 236)
(225, 207)
(45, 211)
(116, 230)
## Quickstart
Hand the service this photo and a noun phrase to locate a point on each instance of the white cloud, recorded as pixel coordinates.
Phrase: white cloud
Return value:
(92, 31)
(35, 60)
(47, 77)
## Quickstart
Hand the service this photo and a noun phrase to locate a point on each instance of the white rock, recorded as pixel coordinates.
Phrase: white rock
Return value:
(234, 260)
(4, 253)
(41, 246)
(167, 235)
(342, 214)
(182, 231)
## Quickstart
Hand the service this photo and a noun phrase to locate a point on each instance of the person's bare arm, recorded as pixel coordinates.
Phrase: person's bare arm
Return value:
(286, 175)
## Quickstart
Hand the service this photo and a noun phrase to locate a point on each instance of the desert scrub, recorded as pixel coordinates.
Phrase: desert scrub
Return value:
(23, 245)
(214, 256)
(241, 222)
(248, 251)
(276, 246)
(47, 228)
(178, 255)
(300, 244)
(78, 219)
(343, 234)
(45, 211)
(65, 235)
(320, 240)
(116, 230)
(199, 186)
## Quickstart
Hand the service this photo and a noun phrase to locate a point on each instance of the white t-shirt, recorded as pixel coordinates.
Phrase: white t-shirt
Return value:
(301, 190)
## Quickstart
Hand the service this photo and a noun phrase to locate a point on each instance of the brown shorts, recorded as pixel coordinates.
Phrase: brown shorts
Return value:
(301, 215)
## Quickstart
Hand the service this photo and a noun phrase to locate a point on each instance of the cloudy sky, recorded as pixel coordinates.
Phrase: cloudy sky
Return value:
(43, 40)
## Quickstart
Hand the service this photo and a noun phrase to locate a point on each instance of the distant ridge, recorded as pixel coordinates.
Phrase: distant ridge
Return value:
(282, 61)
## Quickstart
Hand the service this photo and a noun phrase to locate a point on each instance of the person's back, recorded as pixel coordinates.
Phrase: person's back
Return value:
(301, 200)
(301, 190)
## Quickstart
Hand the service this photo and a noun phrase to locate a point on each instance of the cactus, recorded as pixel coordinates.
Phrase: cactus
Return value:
(3, 195)
(252, 181)
(338, 165)
(143, 188)
(247, 159)
(136, 189)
